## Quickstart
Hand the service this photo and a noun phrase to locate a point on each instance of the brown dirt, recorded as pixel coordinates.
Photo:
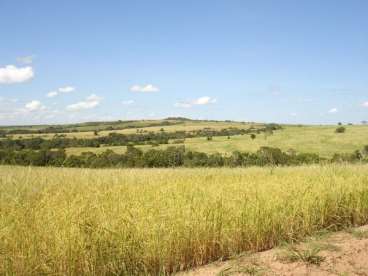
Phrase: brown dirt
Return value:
(343, 253)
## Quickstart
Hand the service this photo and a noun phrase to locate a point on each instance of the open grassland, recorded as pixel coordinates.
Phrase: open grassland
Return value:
(142, 126)
(156, 221)
(306, 139)
(91, 126)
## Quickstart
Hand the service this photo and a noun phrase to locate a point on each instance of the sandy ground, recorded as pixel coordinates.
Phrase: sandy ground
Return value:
(343, 253)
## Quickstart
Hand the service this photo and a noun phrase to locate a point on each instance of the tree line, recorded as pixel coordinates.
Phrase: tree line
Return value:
(171, 157)
(86, 127)
(118, 139)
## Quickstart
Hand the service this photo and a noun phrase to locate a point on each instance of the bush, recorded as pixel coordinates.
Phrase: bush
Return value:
(340, 129)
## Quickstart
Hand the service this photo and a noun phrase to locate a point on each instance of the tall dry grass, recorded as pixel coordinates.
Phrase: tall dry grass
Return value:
(156, 221)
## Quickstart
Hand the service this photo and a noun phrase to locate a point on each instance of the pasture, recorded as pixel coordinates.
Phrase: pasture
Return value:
(305, 139)
(131, 128)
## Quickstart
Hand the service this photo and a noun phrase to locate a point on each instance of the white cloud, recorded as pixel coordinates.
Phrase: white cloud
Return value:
(90, 102)
(26, 59)
(144, 88)
(12, 74)
(93, 98)
(128, 102)
(200, 101)
(204, 100)
(52, 94)
(183, 104)
(365, 104)
(34, 106)
(64, 90)
(333, 110)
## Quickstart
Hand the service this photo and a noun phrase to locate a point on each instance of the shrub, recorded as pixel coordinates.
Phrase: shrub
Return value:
(340, 129)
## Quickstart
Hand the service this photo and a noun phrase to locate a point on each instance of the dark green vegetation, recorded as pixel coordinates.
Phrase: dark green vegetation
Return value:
(197, 144)
(117, 139)
(171, 157)
(90, 126)
(340, 129)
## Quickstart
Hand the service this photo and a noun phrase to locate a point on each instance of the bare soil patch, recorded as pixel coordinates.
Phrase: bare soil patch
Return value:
(343, 253)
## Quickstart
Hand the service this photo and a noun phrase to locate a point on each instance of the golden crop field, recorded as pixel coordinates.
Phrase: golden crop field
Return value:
(156, 221)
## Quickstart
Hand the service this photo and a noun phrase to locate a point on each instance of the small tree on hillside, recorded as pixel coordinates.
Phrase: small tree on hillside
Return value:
(253, 136)
(340, 129)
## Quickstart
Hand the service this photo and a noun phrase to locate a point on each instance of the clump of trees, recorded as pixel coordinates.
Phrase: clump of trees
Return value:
(340, 129)
(99, 126)
(171, 157)
(118, 139)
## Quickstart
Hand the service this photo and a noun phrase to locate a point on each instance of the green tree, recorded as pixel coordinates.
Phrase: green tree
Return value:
(340, 129)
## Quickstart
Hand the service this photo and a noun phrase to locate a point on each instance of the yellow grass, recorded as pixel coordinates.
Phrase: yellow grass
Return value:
(154, 221)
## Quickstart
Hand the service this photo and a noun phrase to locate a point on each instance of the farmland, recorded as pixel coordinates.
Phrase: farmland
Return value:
(81, 221)
(152, 221)
(319, 139)
(173, 138)
(306, 139)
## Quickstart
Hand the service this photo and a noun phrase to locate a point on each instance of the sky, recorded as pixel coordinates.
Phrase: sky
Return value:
(281, 61)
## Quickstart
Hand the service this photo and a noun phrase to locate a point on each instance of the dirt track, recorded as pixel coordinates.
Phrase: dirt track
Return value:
(343, 253)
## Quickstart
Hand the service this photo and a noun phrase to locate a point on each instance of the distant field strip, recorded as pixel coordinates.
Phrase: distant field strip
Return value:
(181, 126)
(152, 221)
(307, 139)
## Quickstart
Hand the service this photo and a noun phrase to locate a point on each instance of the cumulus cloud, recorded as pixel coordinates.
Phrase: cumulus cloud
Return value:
(66, 89)
(144, 88)
(52, 94)
(365, 104)
(90, 102)
(200, 101)
(34, 106)
(204, 100)
(128, 102)
(12, 74)
(183, 104)
(61, 90)
(26, 59)
(333, 110)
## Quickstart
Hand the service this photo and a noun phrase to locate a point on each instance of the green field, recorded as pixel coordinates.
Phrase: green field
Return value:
(306, 139)
(155, 221)
(129, 128)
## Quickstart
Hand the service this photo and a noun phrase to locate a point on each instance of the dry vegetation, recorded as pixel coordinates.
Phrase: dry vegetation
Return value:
(157, 221)
(328, 254)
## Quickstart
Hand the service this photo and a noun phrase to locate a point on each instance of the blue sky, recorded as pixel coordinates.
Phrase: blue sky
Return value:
(275, 61)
